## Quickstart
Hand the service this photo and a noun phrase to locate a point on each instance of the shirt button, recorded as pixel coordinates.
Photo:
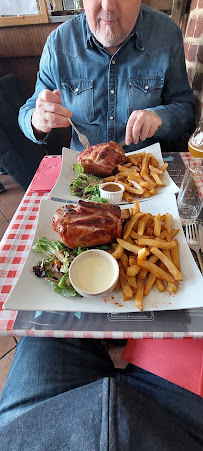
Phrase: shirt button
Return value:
(111, 118)
(76, 89)
(112, 91)
(146, 87)
(113, 62)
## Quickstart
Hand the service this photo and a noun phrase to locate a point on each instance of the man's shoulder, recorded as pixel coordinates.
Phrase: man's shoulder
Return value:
(156, 17)
(69, 37)
(76, 23)
(159, 31)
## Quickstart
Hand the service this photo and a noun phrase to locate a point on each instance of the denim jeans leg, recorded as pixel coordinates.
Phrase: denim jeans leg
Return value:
(45, 367)
(187, 406)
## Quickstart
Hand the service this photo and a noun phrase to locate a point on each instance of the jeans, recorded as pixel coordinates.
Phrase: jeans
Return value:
(46, 367)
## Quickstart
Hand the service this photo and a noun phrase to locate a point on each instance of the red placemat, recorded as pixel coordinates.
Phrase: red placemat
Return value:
(46, 174)
(178, 361)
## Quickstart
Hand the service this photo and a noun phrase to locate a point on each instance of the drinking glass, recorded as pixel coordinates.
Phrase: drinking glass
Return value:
(190, 196)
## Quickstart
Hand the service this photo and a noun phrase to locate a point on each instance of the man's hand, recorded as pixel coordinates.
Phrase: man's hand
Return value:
(141, 124)
(49, 113)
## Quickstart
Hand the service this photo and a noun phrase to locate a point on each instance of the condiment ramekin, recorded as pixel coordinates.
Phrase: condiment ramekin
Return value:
(83, 258)
(112, 197)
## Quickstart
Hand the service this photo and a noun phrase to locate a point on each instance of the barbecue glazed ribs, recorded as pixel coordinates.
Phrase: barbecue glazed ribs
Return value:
(102, 159)
(88, 224)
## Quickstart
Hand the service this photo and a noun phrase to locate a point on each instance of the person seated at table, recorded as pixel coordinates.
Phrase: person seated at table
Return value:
(118, 71)
(66, 394)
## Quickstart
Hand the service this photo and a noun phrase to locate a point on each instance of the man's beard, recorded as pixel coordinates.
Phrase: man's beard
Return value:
(109, 39)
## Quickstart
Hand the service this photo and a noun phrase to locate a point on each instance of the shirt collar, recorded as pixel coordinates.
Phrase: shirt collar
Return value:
(137, 32)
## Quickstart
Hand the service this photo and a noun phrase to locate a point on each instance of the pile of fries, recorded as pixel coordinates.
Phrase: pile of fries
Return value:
(147, 254)
(140, 176)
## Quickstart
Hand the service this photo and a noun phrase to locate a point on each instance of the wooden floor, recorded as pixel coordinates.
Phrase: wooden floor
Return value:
(9, 201)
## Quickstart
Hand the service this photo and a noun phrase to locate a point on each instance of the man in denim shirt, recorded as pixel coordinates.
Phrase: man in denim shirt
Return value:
(119, 71)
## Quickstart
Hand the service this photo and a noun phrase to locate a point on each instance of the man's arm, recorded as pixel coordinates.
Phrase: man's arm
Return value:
(142, 124)
(49, 113)
(176, 115)
(43, 111)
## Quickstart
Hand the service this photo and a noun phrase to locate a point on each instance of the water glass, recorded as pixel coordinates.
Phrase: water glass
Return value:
(190, 196)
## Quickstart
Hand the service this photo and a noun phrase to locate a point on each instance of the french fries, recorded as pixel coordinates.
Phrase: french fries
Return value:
(128, 246)
(161, 244)
(127, 291)
(131, 223)
(140, 176)
(139, 294)
(175, 255)
(156, 270)
(147, 254)
(150, 282)
(168, 263)
(118, 252)
(157, 225)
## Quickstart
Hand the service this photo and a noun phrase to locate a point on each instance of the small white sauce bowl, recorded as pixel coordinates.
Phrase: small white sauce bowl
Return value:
(94, 273)
(112, 197)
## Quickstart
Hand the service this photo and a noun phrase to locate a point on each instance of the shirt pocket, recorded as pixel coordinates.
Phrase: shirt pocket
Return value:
(78, 97)
(144, 92)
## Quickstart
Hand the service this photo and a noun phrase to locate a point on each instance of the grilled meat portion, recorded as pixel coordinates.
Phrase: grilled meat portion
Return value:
(88, 224)
(102, 159)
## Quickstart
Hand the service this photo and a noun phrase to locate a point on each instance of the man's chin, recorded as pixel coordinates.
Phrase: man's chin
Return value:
(107, 38)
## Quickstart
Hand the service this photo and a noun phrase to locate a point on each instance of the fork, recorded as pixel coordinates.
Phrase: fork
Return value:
(82, 138)
(122, 144)
(192, 237)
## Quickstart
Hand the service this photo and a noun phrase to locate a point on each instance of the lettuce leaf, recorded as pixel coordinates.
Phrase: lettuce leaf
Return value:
(86, 185)
(78, 168)
(51, 248)
(66, 291)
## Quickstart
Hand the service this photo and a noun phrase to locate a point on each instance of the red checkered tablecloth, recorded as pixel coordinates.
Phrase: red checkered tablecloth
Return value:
(14, 248)
(15, 245)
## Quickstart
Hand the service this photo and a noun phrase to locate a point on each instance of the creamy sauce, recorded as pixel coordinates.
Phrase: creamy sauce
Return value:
(112, 187)
(95, 274)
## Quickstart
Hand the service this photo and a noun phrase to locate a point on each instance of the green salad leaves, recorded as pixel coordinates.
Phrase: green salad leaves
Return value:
(54, 267)
(86, 185)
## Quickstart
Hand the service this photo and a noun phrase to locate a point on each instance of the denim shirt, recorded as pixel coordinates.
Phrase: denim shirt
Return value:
(102, 90)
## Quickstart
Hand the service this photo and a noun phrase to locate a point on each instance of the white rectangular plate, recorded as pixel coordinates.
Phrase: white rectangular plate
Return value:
(61, 190)
(32, 293)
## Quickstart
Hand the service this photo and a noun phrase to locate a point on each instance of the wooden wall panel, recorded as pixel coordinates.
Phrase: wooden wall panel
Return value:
(162, 5)
(175, 8)
(26, 40)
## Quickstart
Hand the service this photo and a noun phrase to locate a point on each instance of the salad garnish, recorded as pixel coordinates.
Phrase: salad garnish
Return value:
(86, 185)
(54, 267)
